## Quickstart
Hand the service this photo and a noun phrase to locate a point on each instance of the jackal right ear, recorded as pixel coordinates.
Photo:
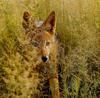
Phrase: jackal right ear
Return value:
(49, 23)
(28, 22)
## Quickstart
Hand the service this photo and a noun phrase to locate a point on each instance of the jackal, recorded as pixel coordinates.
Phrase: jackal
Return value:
(41, 35)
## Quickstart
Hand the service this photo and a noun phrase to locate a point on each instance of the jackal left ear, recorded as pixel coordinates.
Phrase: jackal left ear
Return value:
(49, 23)
(28, 22)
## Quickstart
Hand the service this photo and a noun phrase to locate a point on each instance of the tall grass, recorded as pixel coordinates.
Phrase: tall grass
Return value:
(78, 31)
(17, 78)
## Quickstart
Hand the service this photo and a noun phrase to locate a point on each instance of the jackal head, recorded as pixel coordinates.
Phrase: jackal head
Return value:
(41, 34)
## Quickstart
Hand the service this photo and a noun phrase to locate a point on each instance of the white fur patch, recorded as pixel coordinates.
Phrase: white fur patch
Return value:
(38, 23)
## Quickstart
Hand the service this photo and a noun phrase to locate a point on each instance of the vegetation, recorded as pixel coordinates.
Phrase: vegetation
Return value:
(78, 32)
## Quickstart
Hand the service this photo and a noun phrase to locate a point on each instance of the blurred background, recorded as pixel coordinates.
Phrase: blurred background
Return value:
(78, 32)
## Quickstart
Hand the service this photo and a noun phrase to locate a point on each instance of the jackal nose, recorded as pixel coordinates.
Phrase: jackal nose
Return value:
(44, 58)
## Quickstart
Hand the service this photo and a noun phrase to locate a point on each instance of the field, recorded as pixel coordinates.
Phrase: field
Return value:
(78, 33)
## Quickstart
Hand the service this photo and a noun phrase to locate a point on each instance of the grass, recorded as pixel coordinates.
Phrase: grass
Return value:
(78, 31)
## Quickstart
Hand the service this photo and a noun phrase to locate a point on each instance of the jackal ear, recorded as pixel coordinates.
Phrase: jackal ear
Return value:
(28, 22)
(49, 23)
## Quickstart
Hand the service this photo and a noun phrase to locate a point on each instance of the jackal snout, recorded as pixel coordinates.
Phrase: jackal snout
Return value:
(45, 54)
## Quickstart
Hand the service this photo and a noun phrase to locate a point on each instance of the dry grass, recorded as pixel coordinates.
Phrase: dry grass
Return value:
(78, 29)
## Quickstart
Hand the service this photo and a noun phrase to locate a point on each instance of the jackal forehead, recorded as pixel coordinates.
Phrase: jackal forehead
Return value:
(43, 36)
(38, 30)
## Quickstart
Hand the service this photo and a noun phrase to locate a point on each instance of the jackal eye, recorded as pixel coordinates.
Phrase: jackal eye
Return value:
(47, 43)
(36, 44)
